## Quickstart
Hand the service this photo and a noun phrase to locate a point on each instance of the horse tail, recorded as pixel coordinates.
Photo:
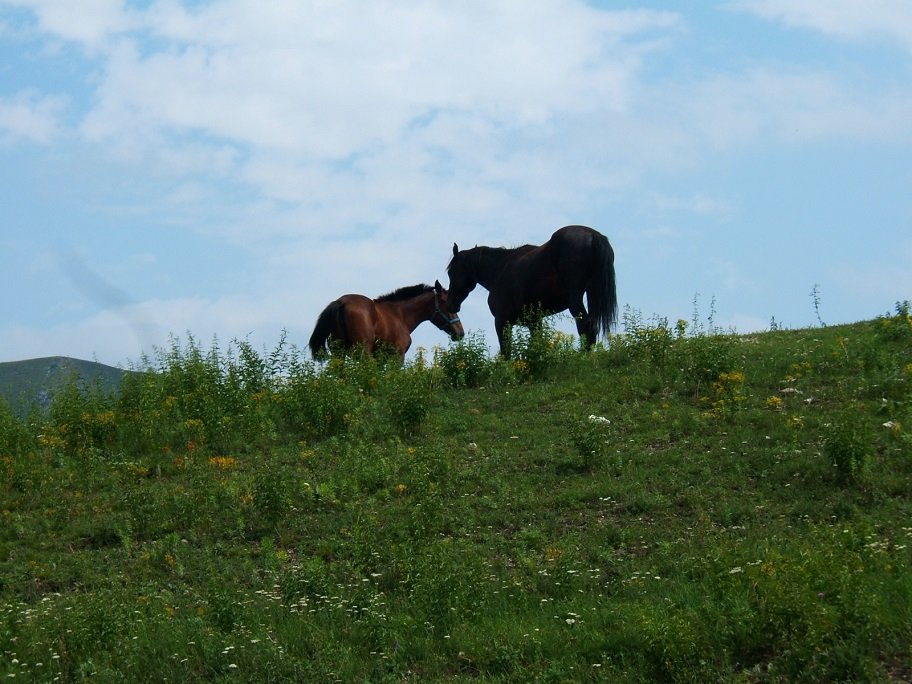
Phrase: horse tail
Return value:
(602, 293)
(331, 321)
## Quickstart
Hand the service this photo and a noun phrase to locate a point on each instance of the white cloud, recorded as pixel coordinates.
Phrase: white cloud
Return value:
(380, 113)
(31, 117)
(323, 84)
(87, 22)
(847, 19)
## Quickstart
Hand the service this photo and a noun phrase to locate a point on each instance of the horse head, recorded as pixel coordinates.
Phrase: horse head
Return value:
(463, 278)
(444, 317)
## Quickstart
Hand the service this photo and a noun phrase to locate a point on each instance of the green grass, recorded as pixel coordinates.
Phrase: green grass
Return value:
(684, 505)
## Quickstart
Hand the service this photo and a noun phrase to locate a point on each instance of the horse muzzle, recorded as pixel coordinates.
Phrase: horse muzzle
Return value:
(457, 332)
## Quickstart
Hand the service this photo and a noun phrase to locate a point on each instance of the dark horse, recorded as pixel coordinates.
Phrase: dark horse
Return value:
(354, 319)
(531, 281)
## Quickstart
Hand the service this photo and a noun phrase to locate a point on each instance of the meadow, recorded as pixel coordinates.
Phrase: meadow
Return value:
(682, 504)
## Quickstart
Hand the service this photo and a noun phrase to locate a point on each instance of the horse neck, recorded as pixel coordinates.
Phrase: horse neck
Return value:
(490, 262)
(412, 312)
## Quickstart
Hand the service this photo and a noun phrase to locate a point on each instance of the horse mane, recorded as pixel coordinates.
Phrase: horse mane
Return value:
(477, 257)
(403, 293)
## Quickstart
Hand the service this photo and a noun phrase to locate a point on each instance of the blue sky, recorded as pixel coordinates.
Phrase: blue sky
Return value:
(225, 169)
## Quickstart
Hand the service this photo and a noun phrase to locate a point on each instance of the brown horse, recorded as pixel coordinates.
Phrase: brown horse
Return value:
(535, 280)
(354, 319)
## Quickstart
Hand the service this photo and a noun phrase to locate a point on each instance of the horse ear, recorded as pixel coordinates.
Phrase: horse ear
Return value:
(455, 249)
(438, 287)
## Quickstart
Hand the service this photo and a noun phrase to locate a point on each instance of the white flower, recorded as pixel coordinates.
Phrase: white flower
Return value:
(599, 419)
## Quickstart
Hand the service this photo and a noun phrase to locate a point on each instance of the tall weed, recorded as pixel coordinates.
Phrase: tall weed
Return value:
(465, 364)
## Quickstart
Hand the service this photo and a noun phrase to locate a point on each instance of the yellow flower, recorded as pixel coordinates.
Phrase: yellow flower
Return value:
(138, 470)
(774, 403)
(52, 441)
(222, 462)
(193, 425)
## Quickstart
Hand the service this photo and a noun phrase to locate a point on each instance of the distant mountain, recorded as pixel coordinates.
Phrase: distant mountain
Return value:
(25, 383)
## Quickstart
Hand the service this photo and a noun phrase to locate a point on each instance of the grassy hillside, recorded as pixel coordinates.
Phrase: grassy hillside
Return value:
(685, 505)
(24, 384)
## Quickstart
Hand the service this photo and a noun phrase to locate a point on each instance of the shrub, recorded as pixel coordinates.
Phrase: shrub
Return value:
(409, 403)
(591, 438)
(316, 405)
(14, 437)
(539, 349)
(466, 363)
(641, 341)
(847, 445)
(704, 358)
(897, 326)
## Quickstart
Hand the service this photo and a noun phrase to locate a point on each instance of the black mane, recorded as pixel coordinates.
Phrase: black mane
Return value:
(483, 261)
(477, 257)
(403, 293)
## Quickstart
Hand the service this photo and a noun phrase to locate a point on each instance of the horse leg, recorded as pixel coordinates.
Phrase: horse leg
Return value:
(502, 326)
(585, 326)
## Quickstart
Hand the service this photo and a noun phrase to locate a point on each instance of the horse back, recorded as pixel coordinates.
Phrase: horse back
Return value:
(548, 275)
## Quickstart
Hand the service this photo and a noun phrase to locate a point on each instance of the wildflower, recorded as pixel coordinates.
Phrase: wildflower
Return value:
(599, 419)
(895, 427)
(222, 462)
(734, 377)
(138, 470)
(774, 403)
